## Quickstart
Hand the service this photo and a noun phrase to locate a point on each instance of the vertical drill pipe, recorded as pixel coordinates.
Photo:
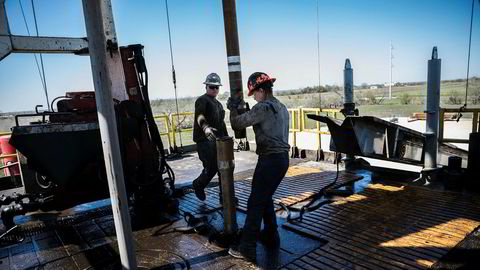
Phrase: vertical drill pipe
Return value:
(226, 165)
(233, 56)
(433, 108)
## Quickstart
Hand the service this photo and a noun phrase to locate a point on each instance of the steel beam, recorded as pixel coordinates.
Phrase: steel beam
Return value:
(4, 28)
(28, 44)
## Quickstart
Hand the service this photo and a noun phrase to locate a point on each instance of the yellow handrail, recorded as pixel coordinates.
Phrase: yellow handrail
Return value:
(475, 127)
(171, 126)
(297, 124)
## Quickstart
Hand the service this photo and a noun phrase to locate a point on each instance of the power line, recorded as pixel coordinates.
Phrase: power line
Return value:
(318, 59)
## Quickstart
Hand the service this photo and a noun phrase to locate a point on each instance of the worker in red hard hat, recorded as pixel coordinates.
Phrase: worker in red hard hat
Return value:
(208, 125)
(269, 118)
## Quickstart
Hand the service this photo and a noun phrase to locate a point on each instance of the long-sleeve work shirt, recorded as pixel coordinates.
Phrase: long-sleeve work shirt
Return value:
(269, 119)
(209, 112)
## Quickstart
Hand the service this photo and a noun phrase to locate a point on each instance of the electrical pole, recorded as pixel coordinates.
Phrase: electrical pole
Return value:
(391, 66)
(233, 56)
(318, 61)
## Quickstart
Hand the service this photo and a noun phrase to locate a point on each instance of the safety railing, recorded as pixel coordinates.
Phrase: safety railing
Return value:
(172, 129)
(3, 166)
(171, 126)
(300, 122)
(475, 127)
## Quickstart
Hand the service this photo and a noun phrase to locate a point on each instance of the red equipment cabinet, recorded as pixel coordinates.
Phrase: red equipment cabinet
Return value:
(7, 149)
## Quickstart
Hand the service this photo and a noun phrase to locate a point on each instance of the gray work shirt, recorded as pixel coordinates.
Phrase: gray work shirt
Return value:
(269, 119)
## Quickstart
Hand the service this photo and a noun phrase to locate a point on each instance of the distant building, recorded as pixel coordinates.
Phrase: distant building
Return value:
(373, 87)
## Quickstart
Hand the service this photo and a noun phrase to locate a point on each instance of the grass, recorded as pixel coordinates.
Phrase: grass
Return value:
(390, 110)
(363, 98)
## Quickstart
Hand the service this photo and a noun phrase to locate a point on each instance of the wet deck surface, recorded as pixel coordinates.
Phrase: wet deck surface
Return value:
(388, 227)
(382, 226)
(300, 184)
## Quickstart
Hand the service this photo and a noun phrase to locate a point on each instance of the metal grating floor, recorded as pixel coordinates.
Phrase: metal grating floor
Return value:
(299, 184)
(387, 227)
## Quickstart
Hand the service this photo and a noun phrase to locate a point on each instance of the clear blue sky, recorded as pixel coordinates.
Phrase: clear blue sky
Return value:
(276, 36)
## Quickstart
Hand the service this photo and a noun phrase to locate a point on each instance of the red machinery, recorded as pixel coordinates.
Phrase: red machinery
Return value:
(66, 153)
(7, 149)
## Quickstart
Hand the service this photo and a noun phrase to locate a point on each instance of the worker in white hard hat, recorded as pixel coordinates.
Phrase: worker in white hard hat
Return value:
(208, 125)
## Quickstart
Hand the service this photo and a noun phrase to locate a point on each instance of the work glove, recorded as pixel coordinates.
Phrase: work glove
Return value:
(210, 133)
(233, 104)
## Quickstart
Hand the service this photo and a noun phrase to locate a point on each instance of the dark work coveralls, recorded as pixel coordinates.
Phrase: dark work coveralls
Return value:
(209, 112)
(269, 119)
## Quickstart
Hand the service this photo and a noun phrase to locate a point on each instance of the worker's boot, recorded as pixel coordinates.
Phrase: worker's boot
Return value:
(244, 252)
(199, 190)
(269, 238)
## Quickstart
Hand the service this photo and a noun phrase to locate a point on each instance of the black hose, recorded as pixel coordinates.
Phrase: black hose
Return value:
(317, 196)
(140, 68)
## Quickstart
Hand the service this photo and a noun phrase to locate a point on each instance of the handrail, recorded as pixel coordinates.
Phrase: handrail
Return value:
(2, 156)
(171, 126)
(297, 124)
(475, 127)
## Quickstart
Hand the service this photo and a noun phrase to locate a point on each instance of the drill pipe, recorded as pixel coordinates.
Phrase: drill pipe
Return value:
(226, 165)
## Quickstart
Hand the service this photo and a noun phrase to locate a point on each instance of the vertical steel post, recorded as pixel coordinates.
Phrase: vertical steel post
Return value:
(226, 165)
(348, 86)
(109, 83)
(473, 158)
(432, 112)
(233, 56)
(349, 104)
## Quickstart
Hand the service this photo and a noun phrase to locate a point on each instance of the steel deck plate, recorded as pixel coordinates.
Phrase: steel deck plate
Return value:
(299, 184)
(387, 227)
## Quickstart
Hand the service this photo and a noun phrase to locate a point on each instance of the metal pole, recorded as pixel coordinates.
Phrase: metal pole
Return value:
(432, 112)
(348, 86)
(233, 57)
(318, 63)
(391, 66)
(109, 83)
(349, 104)
(226, 165)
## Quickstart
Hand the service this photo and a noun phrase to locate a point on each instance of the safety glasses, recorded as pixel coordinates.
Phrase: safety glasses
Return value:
(213, 87)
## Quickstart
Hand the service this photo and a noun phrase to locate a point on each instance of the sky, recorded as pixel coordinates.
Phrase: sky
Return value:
(278, 37)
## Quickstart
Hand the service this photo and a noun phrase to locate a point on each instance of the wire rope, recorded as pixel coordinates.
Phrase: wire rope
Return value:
(468, 59)
(173, 75)
(41, 58)
(34, 55)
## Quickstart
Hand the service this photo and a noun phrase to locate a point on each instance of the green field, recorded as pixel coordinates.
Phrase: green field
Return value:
(406, 100)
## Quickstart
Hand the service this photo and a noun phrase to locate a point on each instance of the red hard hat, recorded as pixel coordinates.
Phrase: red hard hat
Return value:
(256, 79)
